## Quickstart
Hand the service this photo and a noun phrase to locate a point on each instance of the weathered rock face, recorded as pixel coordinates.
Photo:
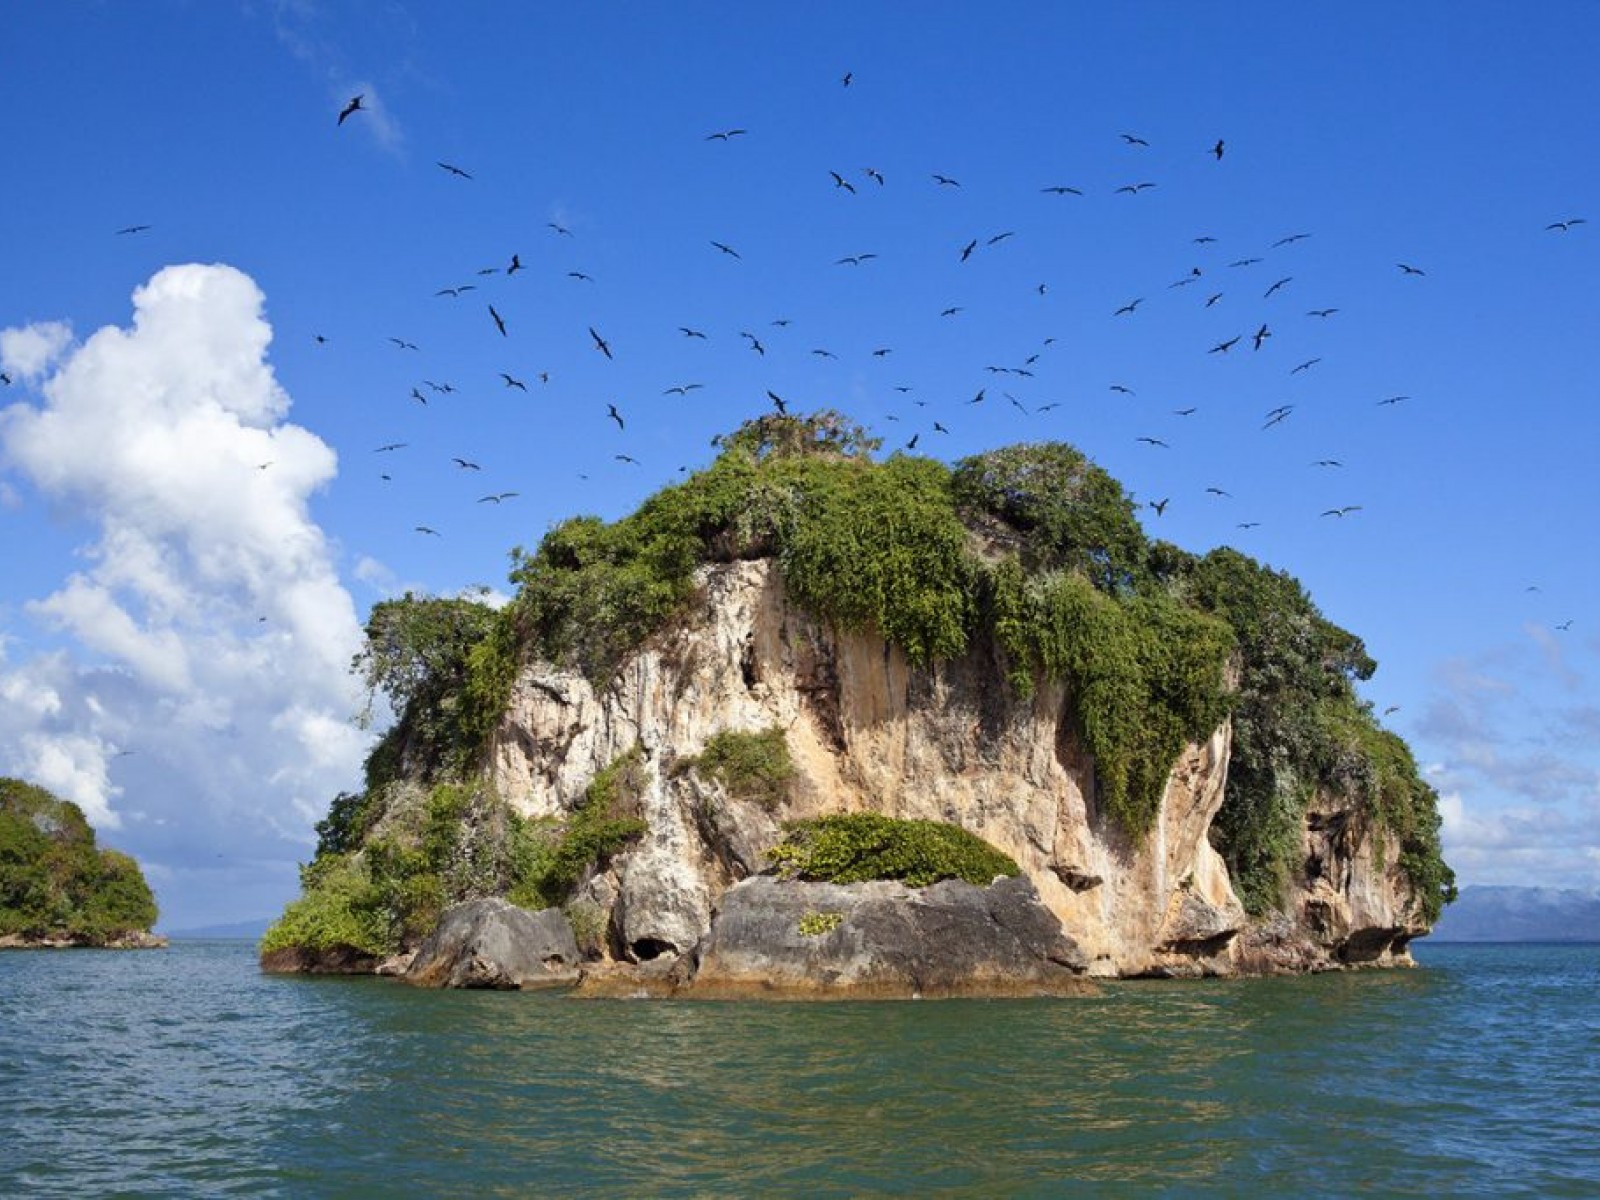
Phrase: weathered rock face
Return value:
(951, 742)
(772, 937)
(491, 943)
(335, 960)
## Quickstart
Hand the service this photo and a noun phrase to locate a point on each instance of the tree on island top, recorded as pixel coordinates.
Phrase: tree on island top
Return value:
(55, 882)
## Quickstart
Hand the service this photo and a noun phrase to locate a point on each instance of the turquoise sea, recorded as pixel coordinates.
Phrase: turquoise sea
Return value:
(188, 1073)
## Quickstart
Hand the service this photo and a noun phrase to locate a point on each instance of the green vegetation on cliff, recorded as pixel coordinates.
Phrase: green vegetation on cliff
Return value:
(55, 882)
(1029, 553)
(421, 851)
(749, 766)
(857, 847)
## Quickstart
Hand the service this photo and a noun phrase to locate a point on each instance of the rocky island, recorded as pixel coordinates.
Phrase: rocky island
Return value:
(57, 887)
(815, 722)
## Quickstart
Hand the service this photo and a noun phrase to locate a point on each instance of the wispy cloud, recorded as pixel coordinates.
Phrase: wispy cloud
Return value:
(1520, 779)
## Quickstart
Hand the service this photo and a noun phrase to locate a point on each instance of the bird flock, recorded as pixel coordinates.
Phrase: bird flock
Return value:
(1260, 307)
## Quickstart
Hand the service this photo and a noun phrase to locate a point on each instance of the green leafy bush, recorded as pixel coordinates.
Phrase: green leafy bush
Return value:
(855, 847)
(338, 906)
(749, 766)
(818, 924)
(55, 881)
(1068, 512)
(422, 654)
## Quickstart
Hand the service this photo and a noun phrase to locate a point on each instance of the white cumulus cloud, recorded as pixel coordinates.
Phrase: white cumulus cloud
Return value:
(28, 351)
(198, 683)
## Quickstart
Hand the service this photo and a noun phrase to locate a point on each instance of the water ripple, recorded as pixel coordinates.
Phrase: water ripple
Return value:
(188, 1072)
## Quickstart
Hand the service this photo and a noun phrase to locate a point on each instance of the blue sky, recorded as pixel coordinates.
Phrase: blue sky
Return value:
(196, 514)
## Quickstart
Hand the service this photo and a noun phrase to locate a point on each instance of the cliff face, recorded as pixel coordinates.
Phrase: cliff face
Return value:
(949, 742)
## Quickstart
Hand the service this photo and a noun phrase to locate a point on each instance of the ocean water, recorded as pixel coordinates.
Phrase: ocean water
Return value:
(186, 1073)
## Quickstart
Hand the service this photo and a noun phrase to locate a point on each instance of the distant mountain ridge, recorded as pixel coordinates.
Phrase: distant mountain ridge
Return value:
(1520, 914)
(236, 929)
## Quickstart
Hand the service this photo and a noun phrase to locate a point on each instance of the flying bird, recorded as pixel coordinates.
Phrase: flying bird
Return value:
(1129, 307)
(728, 250)
(132, 229)
(1322, 312)
(1563, 226)
(403, 344)
(427, 530)
(938, 428)
(454, 170)
(682, 389)
(1216, 491)
(516, 264)
(1305, 366)
(952, 311)
(874, 175)
(854, 260)
(755, 343)
(1392, 400)
(600, 343)
(1061, 190)
(778, 402)
(419, 397)
(1150, 441)
(1261, 335)
(1281, 413)
(966, 251)
(1133, 189)
(945, 180)
(611, 411)
(1224, 347)
(391, 446)
(558, 228)
(1133, 140)
(1277, 285)
(691, 333)
(512, 382)
(839, 181)
(499, 321)
(497, 497)
(1000, 237)
(723, 135)
(1339, 512)
(1161, 505)
(1217, 149)
(466, 464)
(1292, 238)
(626, 458)
(580, 276)
(1408, 269)
(353, 107)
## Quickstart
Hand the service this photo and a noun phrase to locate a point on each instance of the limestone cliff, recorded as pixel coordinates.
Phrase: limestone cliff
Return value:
(1170, 747)
(948, 741)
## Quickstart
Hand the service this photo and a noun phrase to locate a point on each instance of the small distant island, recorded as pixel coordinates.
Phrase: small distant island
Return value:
(57, 887)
